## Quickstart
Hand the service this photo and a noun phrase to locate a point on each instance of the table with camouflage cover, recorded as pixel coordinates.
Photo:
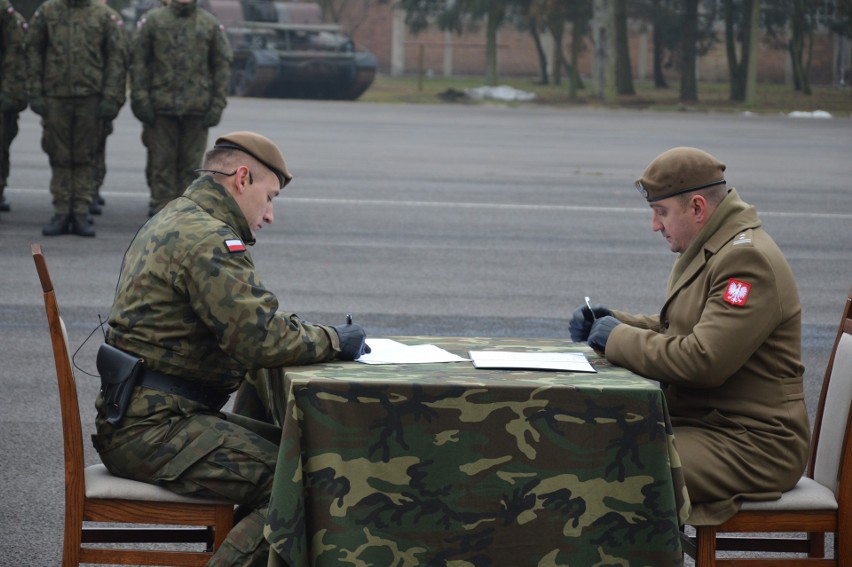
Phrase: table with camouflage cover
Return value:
(445, 464)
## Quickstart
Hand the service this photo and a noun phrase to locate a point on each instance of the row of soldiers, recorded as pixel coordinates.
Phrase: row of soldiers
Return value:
(71, 63)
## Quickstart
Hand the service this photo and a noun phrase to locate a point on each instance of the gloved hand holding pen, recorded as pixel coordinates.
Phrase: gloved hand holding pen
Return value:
(582, 319)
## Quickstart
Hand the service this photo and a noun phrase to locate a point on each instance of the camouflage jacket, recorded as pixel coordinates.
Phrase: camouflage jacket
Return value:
(190, 302)
(13, 66)
(181, 62)
(76, 49)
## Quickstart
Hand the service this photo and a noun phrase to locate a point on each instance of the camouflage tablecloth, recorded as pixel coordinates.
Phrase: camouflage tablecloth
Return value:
(448, 465)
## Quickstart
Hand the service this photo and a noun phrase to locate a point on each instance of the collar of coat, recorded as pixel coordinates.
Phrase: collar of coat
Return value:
(731, 218)
(218, 203)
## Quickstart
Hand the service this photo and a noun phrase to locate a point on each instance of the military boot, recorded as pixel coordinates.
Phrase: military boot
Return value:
(96, 207)
(58, 224)
(81, 226)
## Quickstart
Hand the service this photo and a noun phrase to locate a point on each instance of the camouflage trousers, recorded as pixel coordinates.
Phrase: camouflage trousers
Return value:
(224, 456)
(8, 131)
(71, 130)
(176, 146)
(99, 171)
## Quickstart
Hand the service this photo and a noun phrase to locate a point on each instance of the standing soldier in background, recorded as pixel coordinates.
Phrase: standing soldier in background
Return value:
(106, 130)
(180, 71)
(13, 85)
(78, 80)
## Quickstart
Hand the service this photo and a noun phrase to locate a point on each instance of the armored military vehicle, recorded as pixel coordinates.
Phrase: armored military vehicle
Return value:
(282, 49)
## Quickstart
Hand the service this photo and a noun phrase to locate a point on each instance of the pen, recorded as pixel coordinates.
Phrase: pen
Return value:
(589, 305)
(348, 319)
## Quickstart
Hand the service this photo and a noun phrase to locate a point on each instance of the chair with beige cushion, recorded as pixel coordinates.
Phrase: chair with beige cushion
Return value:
(93, 495)
(822, 500)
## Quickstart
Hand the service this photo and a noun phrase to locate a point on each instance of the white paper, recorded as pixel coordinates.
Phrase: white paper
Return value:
(387, 351)
(565, 361)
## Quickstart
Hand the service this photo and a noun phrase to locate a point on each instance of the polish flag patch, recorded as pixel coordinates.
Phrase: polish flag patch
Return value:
(235, 246)
(737, 292)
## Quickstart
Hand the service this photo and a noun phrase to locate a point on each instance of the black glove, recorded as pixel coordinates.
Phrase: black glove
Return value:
(144, 112)
(9, 104)
(108, 109)
(599, 334)
(352, 341)
(211, 119)
(38, 105)
(582, 319)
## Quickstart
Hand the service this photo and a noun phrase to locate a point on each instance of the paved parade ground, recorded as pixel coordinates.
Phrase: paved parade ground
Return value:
(463, 220)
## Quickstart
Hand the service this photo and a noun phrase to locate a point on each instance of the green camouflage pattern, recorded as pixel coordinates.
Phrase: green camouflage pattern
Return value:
(70, 135)
(180, 445)
(175, 150)
(76, 50)
(195, 309)
(181, 62)
(13, 64)
(444, 464)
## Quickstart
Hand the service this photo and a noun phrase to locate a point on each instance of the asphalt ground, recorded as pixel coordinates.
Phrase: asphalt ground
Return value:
(430, 219)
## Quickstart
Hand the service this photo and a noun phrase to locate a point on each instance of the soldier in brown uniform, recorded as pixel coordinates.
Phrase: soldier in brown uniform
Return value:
(726, 345)
(13, 85)
(191, 304)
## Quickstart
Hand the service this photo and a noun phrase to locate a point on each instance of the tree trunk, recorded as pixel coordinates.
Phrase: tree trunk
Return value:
(623, 70)
(659, 78)
(542, 57)
(557, 30)
(750, 56)
(689, 52)
(491, 24)
(800, 28)
(742, 72)
(576, 47)
(604, 42)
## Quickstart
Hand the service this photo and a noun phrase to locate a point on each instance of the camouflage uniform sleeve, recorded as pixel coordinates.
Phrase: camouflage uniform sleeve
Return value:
(115, 73)
(35, 45)
(220, 64)
(13, 66)
(140, 48)
(226, 294)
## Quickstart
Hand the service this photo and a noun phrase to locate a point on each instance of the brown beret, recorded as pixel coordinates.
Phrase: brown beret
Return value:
(260, 148)
(680, 170)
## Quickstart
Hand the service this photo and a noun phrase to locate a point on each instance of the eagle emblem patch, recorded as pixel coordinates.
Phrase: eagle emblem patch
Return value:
(737, 292)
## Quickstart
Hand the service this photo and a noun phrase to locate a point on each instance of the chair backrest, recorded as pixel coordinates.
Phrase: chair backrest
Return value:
(72, 431)
(831, 456)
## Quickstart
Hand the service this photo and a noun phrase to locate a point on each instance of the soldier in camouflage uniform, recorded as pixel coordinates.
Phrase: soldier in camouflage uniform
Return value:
(13, 90)
(78, 79)
(190, 303)
(180, 71)
(106, 130)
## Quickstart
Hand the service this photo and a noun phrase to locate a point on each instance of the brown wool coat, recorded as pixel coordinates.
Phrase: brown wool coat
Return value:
(732, 373)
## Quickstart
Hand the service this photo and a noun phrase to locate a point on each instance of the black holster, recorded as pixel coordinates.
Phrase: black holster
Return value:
(119, 373)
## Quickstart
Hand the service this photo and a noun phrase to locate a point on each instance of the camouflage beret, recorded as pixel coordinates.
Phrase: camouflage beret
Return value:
(680, 170)
(260, 148)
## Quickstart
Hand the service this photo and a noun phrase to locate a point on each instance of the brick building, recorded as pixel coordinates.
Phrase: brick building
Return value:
(382, 30)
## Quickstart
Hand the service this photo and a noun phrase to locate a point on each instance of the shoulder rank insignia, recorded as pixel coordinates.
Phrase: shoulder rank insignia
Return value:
(235, 245)
(742, 238)
(737, 292)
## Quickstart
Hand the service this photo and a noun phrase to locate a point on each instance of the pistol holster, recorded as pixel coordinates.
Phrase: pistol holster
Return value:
(119, 373)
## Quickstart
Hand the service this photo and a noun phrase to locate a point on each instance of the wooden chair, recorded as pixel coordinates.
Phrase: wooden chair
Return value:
(93, 495)
(822, 500)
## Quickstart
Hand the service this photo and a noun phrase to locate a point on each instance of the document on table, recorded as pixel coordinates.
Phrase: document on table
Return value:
(387, 351)
(565, 361)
